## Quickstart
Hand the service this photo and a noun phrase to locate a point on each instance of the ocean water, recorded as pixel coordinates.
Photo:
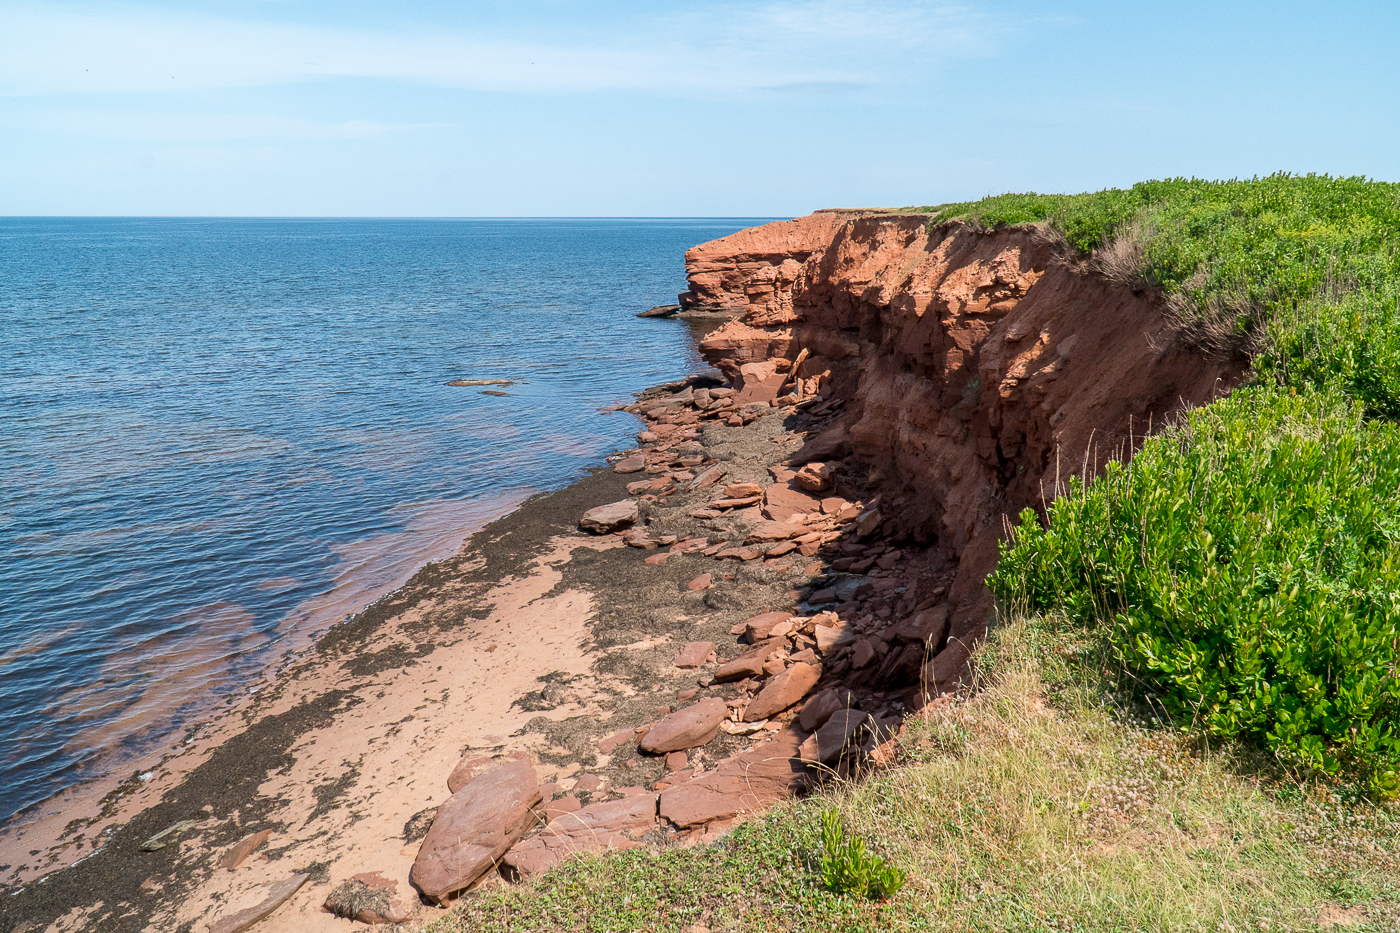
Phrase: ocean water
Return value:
(217, 436)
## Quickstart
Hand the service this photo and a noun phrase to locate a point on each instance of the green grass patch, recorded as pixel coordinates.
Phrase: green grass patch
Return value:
(1036, 804)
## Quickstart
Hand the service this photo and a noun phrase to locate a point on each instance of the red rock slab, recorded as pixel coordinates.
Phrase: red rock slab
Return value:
(557, 808)
(761, 626)
(927, 625)
(701, 582)
(759, 382)
(277, 895)
(815, 477)
(832, 636)
(747, 782)
(472, 765)
(776, 531)
(370, 898)
(834, 737)
(782, 691)
(639, 487)
(743, 490)
(783, 547)
(694, 654)
(687, 728)
(610, 517)
(734, 503)
(237, 853)
(708, 478)
(833, 505)
(658, 559)
(475, 827)
(620, 737)
(748, 664)
(782, 502)
(630, 465)
(598, 827)
(817, 710)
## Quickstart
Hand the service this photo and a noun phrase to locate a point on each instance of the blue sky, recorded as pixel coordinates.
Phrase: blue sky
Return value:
(421, 108)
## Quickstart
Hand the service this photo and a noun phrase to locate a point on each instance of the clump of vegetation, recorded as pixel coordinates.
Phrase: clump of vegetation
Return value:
(847, 868)
(1246, 568)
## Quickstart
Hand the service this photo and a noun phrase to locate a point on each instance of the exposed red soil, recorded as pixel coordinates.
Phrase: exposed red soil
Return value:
(979, 369)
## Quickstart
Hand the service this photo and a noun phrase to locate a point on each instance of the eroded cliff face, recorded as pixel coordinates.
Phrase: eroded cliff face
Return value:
(978, 369)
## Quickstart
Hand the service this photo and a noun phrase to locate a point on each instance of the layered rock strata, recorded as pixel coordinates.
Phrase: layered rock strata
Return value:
(979, 370)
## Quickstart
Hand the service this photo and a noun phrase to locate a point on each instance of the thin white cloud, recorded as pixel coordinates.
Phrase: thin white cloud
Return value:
(199, 127)
(47, 50)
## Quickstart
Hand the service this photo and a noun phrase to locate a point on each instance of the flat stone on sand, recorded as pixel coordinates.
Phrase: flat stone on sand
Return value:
(608, 518)
(475, 827)
(630, 465)
(277, 895)
(694, 654)
(238, 853)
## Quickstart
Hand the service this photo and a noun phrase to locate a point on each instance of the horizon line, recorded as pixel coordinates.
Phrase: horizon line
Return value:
(397, 216)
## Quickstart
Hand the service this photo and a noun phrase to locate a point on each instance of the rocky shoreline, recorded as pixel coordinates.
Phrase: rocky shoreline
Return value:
(699, 614)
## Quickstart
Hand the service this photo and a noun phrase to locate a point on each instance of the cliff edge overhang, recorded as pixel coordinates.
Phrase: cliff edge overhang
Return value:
(979, 369)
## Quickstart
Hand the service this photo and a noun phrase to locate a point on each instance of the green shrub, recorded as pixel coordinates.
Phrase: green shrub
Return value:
(846, 867)
(1248, 567)
(1349, 343)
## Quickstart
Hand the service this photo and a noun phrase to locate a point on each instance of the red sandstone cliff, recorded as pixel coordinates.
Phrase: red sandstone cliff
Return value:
(976, 366)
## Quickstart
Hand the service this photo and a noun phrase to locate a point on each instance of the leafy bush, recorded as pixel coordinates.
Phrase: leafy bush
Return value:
(848, 869)
(1350, 343)
(1248, 567)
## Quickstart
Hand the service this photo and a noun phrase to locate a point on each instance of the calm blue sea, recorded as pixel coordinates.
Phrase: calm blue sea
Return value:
(219, 435)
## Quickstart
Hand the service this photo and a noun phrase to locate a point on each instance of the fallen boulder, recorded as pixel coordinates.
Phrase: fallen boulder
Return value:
(475, 827)
(782, 691)
(839, 733)
(694, 654)
(687, 728)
